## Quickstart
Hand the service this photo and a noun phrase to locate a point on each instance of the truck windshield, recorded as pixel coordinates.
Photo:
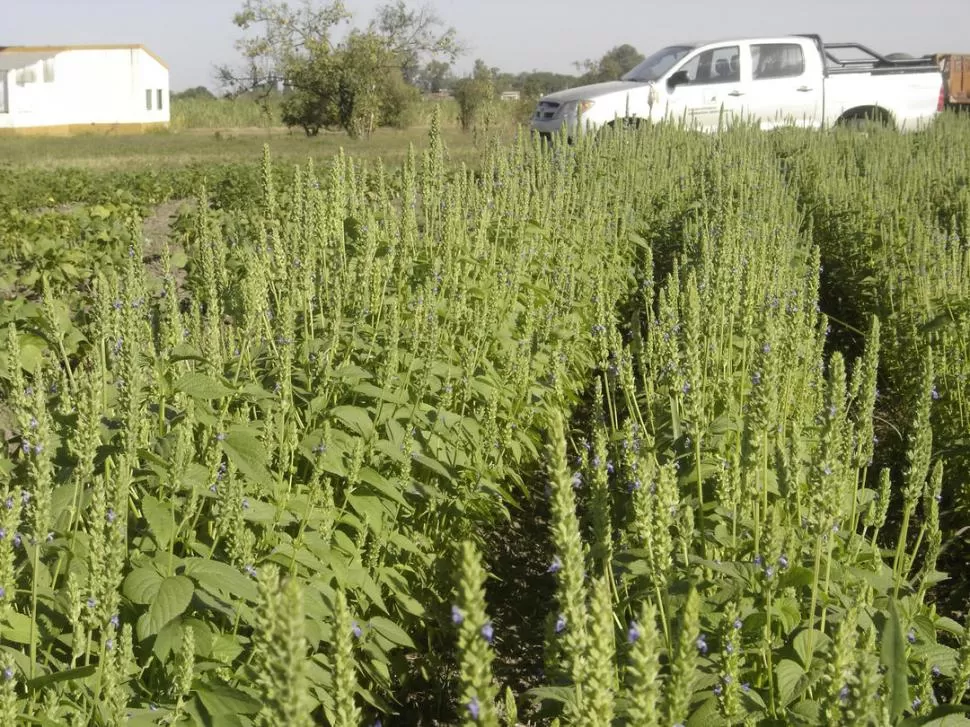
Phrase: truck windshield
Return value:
(654, 66)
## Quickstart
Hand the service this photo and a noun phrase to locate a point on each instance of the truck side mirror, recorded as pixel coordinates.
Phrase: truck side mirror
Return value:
(677, 79)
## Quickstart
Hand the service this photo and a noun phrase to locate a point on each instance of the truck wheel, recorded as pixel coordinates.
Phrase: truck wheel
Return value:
(865, 119)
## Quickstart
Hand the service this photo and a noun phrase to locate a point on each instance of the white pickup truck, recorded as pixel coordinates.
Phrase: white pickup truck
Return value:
(789, 80)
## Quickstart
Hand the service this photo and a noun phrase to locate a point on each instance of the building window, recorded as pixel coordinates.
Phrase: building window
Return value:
(148, 99)
(159, 104)
(25, 76)
(48, 70)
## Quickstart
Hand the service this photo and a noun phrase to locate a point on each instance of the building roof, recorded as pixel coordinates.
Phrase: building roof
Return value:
(41, 51)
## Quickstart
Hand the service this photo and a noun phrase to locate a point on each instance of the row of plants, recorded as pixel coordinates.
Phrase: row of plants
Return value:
(892, 221)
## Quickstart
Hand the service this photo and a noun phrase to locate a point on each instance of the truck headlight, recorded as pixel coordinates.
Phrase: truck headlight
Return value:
(583, 106)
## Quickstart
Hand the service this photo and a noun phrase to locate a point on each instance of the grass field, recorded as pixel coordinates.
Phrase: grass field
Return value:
(657, 429)
(213, 146)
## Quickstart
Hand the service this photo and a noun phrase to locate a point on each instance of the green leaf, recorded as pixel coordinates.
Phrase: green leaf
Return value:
(141, 585)
(220, 579)
(382, 485)
(249, 455)
(174, 596)
(786, 611)
(893, 657)
(200, 386)
(355, 417)
(707, 715)
(67, 675)
(943, 715)
(376, 392)
(16, 628)
(225, 648)
(433, 465)
(169, 639)
(185, 352)
(801, 645)
(788, 673)
(221, 701)
(160, 521)
(391, 631)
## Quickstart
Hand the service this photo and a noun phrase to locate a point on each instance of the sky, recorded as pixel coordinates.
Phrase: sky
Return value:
(194, 36)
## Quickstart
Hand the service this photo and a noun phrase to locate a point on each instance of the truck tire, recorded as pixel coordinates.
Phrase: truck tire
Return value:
(862, 118)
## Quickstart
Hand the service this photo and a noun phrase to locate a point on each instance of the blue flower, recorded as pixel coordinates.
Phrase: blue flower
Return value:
(356, 629)
(473, 708)
(560, 624)
(456, 615)
(555, 566)
(911, 637)
(633, 633)
(701, 644)
(8, 673)
(487, 632)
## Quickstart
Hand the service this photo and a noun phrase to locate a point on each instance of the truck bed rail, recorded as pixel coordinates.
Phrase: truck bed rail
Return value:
(841, 58)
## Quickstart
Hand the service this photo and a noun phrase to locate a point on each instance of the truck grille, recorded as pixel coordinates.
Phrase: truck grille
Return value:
(547, 109)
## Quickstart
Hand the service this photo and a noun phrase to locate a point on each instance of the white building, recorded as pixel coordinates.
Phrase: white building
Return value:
(67, 89)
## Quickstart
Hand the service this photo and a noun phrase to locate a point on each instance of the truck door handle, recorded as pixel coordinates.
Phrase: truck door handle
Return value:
(736, 93)
(803, 89)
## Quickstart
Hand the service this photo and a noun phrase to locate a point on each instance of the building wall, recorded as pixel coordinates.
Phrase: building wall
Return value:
(77, 88)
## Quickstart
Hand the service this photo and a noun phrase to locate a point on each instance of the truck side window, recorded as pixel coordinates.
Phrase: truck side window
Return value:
(718, 65)
(777, 60)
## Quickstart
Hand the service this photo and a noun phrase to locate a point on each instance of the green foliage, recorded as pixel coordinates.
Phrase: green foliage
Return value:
(364, 81)
(614, 63)
(475, 95)
(238, 464)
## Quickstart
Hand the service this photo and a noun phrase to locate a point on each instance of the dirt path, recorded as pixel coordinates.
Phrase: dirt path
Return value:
(157, 229)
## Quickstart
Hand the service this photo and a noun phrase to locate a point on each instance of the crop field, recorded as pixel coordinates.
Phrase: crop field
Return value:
(659, 428)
